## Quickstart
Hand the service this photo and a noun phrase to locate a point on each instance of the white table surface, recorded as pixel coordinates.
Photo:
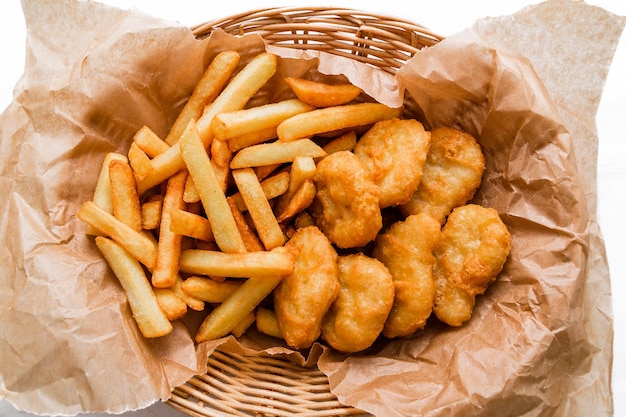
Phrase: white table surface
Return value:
(437, 16)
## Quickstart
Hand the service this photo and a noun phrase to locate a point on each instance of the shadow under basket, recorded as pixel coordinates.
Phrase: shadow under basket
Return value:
(266, 385)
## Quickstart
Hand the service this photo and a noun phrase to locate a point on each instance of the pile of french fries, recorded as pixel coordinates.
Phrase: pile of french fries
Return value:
(199, 219)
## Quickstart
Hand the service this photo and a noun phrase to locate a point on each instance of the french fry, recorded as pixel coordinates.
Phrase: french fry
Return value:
(220, 157)
(169, 247)
(233, 97)
(302, 169)
(267, 323)
(259, 208)
(139, 161)
(242, 122)
(136, 243)
(192, 302)
(243, 325)
(273, 187)
(102, 193)
(173, 307)
(209, 290)
(275, 153)
(225, 317)
(262, 172)
(151, 320)
(151, 212)
(250, 238)
(207, 89)
(300, 201)
(319, 94)
(303, 219)
(192, 225)
(253, 138)
(277, 262)
(218, 212)
(126, 205)
(330, 119)
(345, 142)
(150, 142)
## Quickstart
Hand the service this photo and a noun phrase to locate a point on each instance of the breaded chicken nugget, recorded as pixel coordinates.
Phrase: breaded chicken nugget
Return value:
(302, 299)
(359, 312)
(346, 205)
(474, 247)
(394, 152)
(452, 174)
(406, 249)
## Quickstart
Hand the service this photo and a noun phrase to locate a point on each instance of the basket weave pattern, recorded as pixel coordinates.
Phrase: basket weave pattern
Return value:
(263, 385)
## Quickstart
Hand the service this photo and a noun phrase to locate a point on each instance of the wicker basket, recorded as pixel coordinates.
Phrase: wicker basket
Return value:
(263, 385)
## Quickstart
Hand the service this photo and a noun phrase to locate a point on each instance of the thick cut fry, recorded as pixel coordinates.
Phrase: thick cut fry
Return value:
(254, 138)
(191, 301)
(223, 224)
(242, 122)
(302, 169)
(126, 206)
(300, 201)
(331, 119)
(319, 94)
(151, 212)
(102, 192)
(267, 323)
(152, 322)
(173, 307)
(275, 153)
(170, 243)
(207, 89)
(150, 142)
(259, 208)
(189, 224)
(234, 97)
(249, 236)
(137, 244)
(273, 187)
(235, 308)
(210, 290)
(243, 325)
(139, 161)
(277, 262)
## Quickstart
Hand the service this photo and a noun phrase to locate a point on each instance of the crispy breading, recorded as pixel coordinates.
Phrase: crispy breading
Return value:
(452, 174)
(474, 247)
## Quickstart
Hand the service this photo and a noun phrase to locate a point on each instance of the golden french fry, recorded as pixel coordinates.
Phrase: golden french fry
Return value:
(169, 247)
(277, 262)
(151, 212)
(234, 97)
(139, 161)
(304, 219)
(151, 320)
(330, 119)
(150, 142)
(243, 325)
(242, 122)
(272, 187)
(126, 205)
(192, 302)
(275, 153)
(249, 236)
(253, 138)
(300, 201)
(259, 208)
(225, 231)
(102, 193)
(220, 158)
(136, 243)
(189, 224)
(302, 169)
(210, 290)
(173, 307)
(319, 94)
(207, 89)
(225, 317)
(345, 142)
(267, 323)
(262, 172)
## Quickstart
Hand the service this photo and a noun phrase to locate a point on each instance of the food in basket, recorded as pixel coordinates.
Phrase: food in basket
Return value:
(280, 214)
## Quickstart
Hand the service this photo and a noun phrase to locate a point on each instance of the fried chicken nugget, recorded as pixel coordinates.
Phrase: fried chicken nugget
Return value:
(394, 152)
(346, 205)
(474, 247)
(452, 174)
(406, 249)
(356, 318)
(302, 299)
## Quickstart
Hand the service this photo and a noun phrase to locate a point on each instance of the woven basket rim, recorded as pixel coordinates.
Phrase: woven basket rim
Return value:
(239, 385)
